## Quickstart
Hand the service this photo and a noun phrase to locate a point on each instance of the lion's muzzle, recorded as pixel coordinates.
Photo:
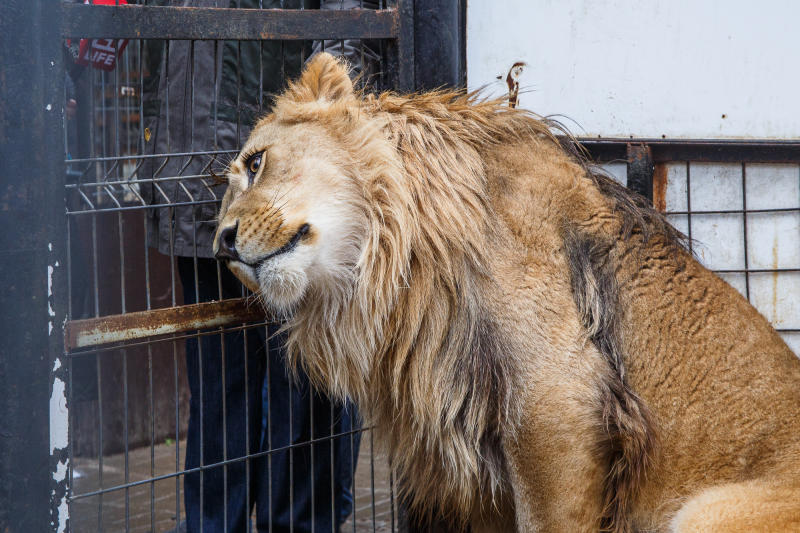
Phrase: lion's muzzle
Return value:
(226, 248)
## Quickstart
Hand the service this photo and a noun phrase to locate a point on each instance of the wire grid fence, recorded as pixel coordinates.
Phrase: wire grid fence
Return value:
(129, 402)
(743, 222)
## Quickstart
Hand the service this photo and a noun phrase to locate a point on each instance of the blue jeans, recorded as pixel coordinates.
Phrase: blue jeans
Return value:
(263, 410)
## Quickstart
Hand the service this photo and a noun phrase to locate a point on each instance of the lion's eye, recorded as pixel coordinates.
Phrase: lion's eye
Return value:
(252, 164)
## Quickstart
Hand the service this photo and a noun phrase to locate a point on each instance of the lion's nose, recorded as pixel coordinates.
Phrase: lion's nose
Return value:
(227, 243)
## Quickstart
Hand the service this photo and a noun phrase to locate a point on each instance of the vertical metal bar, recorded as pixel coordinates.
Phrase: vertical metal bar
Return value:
(224, 435)
(142, 142)
(70, 438)
(247, 428)
(176, 385)
(403, 49)
(291, 460)
(238, 95)
(125, 438)
(152, 409)
(744, 224)
(32, 498)
(260, 73)
(166, 91)
(215, 92)
(335, 519)
(128, 106)
(103, 121)
(311, 454)
(70, 388)
(689, 205)
(269, 425)
(100, 441)
(437, 44)
(68, 259)
(640, 170)
(353, 459)
(95, 275)
(372, 478)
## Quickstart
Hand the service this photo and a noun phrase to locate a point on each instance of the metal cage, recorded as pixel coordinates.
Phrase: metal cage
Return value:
(93, 373)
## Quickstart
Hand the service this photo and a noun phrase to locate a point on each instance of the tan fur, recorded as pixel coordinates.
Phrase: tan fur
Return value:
(536, 349)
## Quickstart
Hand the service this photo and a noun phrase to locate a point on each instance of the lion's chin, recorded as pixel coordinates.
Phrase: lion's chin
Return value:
(282, 290)
(246, 274)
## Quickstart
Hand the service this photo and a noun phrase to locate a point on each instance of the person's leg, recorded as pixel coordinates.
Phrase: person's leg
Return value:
(348, 424)
(221, 404)
(298, 484)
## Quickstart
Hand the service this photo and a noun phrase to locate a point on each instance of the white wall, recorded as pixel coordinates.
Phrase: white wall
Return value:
(646, 68)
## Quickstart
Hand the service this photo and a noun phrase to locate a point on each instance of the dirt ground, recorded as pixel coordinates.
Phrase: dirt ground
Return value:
(151, 506)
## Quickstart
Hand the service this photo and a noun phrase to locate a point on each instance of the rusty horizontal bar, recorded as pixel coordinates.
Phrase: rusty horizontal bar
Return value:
(703, 150)
(205, 23)
(142, 324)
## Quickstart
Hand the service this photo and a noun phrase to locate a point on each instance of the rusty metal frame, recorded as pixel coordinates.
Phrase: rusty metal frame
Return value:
(92, 332)
(701, 150)
(157, 22)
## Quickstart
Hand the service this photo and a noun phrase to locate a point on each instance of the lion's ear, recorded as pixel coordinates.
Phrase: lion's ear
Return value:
(324, 78)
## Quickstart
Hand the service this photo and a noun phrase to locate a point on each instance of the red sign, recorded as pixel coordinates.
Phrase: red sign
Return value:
(101, 53)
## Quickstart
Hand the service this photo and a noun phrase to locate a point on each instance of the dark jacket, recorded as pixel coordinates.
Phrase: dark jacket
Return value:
(200, 101)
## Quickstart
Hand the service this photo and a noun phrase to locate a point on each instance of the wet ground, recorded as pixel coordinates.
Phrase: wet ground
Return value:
(152, 506)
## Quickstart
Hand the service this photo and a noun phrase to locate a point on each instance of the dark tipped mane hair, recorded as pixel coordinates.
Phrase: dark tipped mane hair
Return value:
(429, 362)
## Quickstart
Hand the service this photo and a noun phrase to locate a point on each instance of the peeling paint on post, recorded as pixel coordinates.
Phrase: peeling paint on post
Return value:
(59, 449)
(59, 408)
(34, 391)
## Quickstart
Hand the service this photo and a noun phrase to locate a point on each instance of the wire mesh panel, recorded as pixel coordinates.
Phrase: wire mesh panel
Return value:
(743, 220)
(180, 404)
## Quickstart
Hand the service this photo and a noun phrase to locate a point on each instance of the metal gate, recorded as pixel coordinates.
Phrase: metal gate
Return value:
(96, 305)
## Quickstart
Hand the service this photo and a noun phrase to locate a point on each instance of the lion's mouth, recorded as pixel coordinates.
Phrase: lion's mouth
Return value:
(290, 245)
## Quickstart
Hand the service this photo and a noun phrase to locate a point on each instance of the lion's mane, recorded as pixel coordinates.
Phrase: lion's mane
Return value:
(409, 339)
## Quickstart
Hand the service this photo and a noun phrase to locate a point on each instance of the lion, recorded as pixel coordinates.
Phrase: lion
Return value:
(532, 342)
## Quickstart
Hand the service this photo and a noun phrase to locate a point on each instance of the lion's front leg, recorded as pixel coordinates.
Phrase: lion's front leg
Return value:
(554, 468)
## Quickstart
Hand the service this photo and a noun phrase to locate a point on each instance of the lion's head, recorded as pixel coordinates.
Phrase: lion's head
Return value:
(293, 218)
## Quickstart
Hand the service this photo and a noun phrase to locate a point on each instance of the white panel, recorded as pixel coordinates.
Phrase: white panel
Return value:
(773, 186)
(775, 295)
(719, 241)
(646, 68)
(716, 187)
(680, 222)
(773, 240)
(618, 171)
(676, 187)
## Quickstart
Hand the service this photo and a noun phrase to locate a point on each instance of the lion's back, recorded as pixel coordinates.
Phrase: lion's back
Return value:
(721, 384)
